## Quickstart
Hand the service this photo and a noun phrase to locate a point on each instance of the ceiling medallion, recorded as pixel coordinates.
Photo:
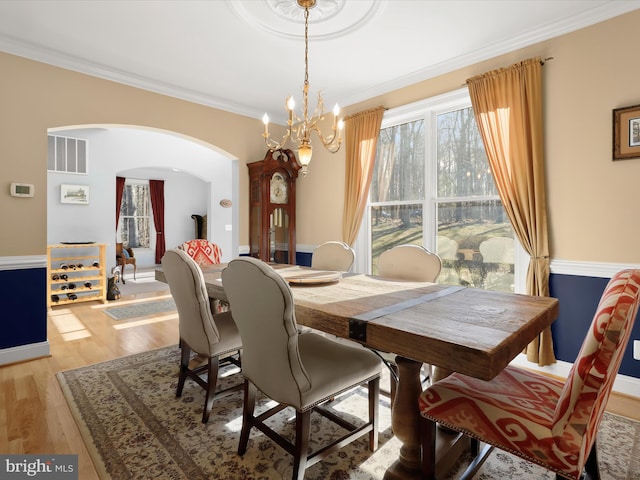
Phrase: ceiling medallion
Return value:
(331, 19)
(319, 11)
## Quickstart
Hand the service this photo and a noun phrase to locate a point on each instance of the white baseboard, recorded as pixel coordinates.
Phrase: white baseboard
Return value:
(305, 248)
(23, 353)
(623, 383)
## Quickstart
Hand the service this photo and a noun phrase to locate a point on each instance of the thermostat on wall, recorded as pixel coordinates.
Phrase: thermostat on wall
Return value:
(22, 190)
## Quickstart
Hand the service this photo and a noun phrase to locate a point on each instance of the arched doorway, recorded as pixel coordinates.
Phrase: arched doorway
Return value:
(197, 177)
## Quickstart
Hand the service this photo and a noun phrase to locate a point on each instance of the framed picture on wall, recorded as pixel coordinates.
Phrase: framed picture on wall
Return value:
(75, 194)
(626, 132)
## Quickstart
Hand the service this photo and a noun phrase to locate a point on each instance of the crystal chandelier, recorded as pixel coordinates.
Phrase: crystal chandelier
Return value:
(299, 129)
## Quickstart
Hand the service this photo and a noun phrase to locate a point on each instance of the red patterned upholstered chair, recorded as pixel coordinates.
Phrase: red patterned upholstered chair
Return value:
(203, 252)
(543, 420)
(206, 253)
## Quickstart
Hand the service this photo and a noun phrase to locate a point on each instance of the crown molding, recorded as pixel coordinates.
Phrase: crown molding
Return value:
(56, 58)
(77, 64)
(552, 30)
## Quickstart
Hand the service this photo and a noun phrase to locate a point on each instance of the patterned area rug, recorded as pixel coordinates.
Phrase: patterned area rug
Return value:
(141, 309)
(135, 427)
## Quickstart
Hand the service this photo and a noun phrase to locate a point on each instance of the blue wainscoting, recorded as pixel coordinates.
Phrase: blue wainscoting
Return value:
(24, 307)
(579, 297)
(303, 258)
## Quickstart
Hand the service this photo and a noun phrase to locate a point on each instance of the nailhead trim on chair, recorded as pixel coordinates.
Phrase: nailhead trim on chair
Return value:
(543, 420)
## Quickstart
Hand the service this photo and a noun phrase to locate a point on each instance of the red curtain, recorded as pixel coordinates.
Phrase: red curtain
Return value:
(156, 191)
(119, 192)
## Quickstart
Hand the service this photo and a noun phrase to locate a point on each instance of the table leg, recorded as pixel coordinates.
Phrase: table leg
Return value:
(438, 373)
(405, 421)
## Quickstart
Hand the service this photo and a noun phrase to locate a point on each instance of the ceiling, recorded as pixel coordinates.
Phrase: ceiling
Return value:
(246, 56)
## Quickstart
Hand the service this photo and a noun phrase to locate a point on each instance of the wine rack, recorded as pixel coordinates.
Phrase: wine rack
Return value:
(76, 272)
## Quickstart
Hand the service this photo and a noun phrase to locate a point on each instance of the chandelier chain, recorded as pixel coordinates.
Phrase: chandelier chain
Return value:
(300, 129)
(305, 89)
(306, 46)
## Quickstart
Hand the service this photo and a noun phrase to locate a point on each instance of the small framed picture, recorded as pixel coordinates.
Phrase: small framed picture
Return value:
(75, 194)
(626, 132)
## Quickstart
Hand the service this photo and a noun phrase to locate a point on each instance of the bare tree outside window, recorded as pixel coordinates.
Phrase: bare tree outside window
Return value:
(397, 189)
(135, 215)
(463, 210)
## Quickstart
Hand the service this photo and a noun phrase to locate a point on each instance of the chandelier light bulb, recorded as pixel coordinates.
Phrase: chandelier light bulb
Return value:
(304, 156)
(299, 129)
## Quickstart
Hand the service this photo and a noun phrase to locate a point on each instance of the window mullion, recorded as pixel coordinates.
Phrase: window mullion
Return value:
(469, 213)
(429, 225)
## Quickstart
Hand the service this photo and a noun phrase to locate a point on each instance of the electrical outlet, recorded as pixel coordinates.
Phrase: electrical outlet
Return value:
(228, 228)
(636, 349)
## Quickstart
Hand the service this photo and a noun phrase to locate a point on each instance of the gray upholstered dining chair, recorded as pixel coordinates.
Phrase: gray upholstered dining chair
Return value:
(299, 370)
(333, 255)
(215, 337)
(407, 263)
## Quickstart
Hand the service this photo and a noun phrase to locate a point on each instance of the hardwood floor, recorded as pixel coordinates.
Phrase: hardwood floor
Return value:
(34, 416)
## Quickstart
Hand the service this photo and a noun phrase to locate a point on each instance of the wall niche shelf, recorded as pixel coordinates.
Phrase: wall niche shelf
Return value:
(76, 272)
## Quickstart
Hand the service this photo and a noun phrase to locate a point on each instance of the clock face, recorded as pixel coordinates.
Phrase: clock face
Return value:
(279, 189)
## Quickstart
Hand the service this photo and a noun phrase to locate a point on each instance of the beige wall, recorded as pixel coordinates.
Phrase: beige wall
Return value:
(594, 71)
(592, 200)
(35, 97)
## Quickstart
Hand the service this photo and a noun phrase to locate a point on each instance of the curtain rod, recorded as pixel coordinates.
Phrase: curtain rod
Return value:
(136, 180)
(542, 62)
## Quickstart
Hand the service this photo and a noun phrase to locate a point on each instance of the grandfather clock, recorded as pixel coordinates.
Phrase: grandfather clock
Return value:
(272, 207)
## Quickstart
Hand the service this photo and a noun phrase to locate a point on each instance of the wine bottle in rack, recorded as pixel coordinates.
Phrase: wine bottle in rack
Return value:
(76, 273)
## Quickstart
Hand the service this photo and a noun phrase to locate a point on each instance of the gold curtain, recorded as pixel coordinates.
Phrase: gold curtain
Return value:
(508, 107)
(361, 138)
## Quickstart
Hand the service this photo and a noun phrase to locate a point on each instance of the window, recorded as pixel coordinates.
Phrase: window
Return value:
(432, 186)
(135, 215)
(67, 155)
(398, 188)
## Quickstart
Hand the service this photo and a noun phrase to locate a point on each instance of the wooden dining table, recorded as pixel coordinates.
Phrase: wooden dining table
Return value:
(472, 331)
